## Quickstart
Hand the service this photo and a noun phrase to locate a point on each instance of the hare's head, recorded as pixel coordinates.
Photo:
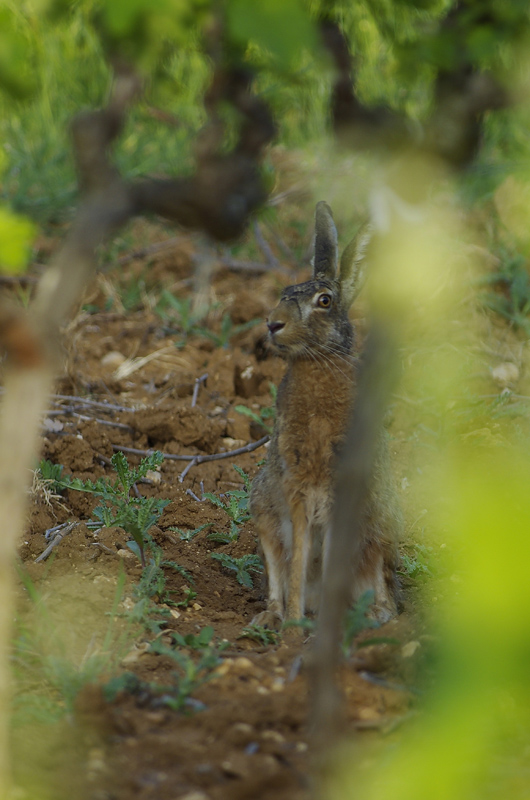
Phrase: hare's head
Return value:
(312, 318)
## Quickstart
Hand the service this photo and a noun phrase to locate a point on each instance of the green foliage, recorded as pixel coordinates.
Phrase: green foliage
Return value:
(48, 677)
(269, 412)
(280, 27)
(512, 298)
(357, 620)
(259, 633)
(194, 642)
(52, 474)
(188, 535)
(176, 696)
(151, 591)
(236, 506)
(416, 562)
(17, 76)
(192, 673)
(141, 31)
(241, 566)
(136, 515)
(179, 311)
(16, 235)
(227, 331)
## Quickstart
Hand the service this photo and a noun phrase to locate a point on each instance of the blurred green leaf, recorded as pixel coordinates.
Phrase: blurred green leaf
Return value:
(16, 235)
(17, 77)
(282, 27)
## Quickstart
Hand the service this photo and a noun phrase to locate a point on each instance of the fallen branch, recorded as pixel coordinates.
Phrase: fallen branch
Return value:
(150, 250)
(198, 382)
(248, 448)
(265, 247)
(67, 528)
(248, 266)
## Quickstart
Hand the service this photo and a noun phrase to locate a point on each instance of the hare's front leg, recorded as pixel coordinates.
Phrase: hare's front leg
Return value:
(299, 560)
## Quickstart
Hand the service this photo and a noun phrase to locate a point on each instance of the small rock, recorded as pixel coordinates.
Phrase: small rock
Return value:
(193, 796)
(124, 552)
(154, 476)
(242, 663)
(113, 359)
(136, 653)
(505, 374)
(408, 650)
(367, 713)
(273, 736)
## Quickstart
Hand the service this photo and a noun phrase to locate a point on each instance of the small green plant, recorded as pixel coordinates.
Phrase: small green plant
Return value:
(192, 673)
(236, 506)
(188, 535)
(151, 590)
(176, 696)
(357, 620)
(228, 331)
(241, 566)
(48, 679)
(512, 298)
(51, 473)
(179, 311)
(260, 634)
(136, 515)
(194, 642)
(189, 595)
(307, 625)
(267, 413)
(416, 562)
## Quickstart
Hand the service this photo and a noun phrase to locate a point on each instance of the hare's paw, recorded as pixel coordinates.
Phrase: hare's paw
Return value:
(268, 619)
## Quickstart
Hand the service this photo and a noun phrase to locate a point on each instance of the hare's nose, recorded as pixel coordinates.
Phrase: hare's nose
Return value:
(274, 327)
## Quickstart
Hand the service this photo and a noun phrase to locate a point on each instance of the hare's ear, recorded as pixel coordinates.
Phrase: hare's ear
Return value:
(326, 243)
(352, 265)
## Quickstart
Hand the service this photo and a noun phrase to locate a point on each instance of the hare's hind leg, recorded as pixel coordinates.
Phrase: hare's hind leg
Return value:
(274, 552)
(375, 571)
(299, 560)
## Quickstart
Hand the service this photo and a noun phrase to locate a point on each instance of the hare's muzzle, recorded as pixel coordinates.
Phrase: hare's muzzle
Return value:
(274, 327)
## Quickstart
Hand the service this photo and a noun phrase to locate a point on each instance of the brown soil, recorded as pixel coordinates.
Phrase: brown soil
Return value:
(246, 734)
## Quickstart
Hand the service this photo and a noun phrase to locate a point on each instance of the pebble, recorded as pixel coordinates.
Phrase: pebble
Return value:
(505, 373)
(273, 736)
(113, 359)
(408, 650)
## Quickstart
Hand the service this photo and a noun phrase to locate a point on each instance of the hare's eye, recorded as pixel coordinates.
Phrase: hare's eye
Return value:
(324, 301)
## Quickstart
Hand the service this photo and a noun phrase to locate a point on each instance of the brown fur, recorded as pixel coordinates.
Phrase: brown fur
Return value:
(292, 497)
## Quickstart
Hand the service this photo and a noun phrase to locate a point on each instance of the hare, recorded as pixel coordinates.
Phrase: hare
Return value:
(292, 497)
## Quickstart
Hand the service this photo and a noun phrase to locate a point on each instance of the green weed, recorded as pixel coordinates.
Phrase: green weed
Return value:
(357, 620)
(235, 506)
(136, 515)
(179, 312)
(49, 679)
(259, 633)
(176, 696)
(194, 642)
(188, 535)
(241, 566)
(512, 298)
(227, 331)
(267, 413)
(416, 561)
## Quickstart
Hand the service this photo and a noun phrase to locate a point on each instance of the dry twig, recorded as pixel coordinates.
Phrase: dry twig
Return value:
(248, 448)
